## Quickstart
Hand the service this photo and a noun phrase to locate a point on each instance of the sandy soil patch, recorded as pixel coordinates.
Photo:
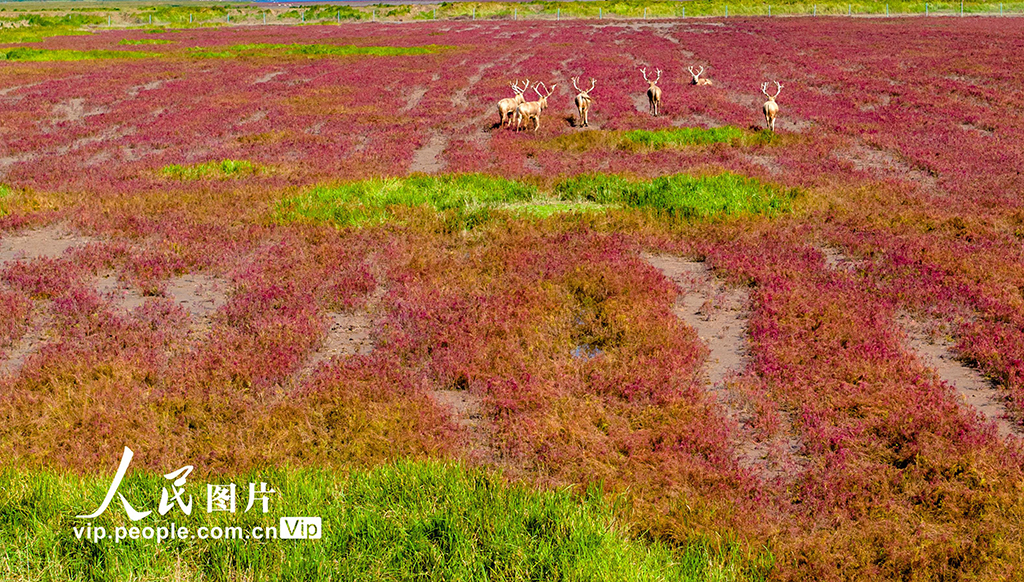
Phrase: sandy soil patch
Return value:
(428, 159)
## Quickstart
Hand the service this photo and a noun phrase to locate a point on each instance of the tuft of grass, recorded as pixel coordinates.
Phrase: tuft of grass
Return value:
(547, 209)
(139, 41)
(682, 195)
(682, 136)
(222, 169)
(34, 54)
(407, 520)
(466, 196)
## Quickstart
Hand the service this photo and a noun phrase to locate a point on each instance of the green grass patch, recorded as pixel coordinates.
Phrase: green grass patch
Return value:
(34, 54)
(683, 136)
(405, 521)
(466, 197)
(313, 50)
(222, 169)
(36, 34)
(645, 140)
(5, 203)
(682, 195)
(144, 41)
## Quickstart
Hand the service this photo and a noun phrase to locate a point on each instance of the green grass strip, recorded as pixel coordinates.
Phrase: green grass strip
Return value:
(405, 521)
(681, 194)
(34, 54)
(683, 136)
(222, 169)
(368, 201)
(313, 50)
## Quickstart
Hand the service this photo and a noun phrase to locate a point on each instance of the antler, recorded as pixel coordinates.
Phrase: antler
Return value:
(515, 87)
(697, 74)
(659, 76)
(593, 83)
(643, 72)
(764, 89)
(575, 86)
(550, 91)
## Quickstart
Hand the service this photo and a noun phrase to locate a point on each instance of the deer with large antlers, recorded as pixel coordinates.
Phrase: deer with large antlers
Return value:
(583, 99)
(653, 91)
(696, 77)
(532, 109)
(770, 107)
(507, 106)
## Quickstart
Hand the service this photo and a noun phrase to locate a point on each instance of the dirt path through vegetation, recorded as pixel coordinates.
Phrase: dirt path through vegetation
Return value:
(719, 314)
(975, 391)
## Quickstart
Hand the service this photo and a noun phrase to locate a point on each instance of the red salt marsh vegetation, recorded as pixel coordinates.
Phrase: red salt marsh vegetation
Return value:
(214, 290)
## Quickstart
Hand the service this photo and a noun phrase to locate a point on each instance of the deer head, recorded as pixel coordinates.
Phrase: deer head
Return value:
(764, 89)
(696, 77)
(544, 98)
(653, 83)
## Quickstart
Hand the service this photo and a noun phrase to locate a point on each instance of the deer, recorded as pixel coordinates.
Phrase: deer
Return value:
(532, 109)
(770, 107)
(653, 91)
(584, 100)
(507, 106)
(696, 77)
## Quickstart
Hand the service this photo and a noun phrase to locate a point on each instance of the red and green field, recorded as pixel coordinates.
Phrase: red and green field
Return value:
(659, 348)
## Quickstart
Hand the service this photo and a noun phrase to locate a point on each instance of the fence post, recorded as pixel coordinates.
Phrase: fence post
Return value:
(264, 18)
(374, 16)
(303, 15)
(435, 12)
(339, 17)
(190, 18)
(727, 11)
(600, 14)
(926, 9)
(849, 11)
(886, 10)
(815, 9)
(151, 16)
(645, 14)
(961, 8)
(515, 14)
(228, 18)
(769, 10)
(474, 13)
(558, 13)
(108, 20)
(684, 11)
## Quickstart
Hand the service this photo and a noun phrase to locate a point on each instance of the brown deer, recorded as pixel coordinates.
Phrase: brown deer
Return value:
(770, 107)
(653, 91)
(584, 100)
(696, 77)
(507, 106)
(532, 109)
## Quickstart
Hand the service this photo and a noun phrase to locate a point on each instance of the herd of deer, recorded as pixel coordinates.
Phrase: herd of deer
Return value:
(519, 109)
